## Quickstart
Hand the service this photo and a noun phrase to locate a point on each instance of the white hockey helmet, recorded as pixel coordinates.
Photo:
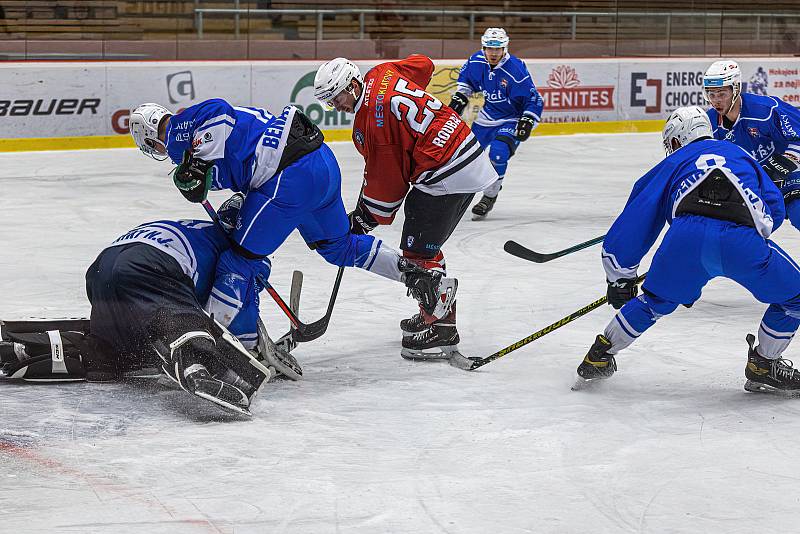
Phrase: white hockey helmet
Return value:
(685, 125)
(333, 77)
(723, 73)
(494, 38)
(143, 124)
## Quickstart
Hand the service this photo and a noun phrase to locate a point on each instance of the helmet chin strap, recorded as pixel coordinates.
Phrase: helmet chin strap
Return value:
(737, 95)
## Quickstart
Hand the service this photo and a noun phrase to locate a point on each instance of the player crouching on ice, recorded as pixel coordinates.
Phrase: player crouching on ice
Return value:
(290, 180)
(721, 207)
(767, 127)
(416, 150)
(146, 290)
(512, 106)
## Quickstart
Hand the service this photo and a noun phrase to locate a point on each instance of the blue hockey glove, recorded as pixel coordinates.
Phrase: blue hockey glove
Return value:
(228, 212)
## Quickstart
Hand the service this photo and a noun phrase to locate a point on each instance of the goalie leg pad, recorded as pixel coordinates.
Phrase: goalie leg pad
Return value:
(278, 358)
(53, 355)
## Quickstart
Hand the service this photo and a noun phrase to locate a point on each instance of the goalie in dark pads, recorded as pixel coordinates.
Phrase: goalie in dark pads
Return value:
(147, 291)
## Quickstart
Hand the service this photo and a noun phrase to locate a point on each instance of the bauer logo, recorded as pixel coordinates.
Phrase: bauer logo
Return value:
(564, 92)
(180, 86)
(49, 106)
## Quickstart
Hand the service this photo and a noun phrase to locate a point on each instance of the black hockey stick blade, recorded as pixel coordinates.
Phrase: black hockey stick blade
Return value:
(515, 249)
(302, 332)
(470, 364)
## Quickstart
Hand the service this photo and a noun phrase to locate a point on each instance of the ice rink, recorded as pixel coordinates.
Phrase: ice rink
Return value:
(369, 442)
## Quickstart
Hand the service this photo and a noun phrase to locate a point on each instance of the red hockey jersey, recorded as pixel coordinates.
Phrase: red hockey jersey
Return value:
(407, 136)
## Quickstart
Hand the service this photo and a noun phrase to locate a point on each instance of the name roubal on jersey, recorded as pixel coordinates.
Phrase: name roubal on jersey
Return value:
(447, 130)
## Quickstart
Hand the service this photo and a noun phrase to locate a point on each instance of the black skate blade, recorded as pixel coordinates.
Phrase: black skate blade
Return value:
(756, 387)
(476, 217)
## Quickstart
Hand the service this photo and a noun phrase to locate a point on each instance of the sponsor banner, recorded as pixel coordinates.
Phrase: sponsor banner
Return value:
(173, 86)
(576, 91)
(652, 90)
(52, 100)
(63, 100)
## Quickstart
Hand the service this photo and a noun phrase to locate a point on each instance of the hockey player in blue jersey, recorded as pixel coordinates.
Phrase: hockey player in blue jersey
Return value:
(290, 180)
(512, 106)
(721, 208)
(767, 127)
(147, 290)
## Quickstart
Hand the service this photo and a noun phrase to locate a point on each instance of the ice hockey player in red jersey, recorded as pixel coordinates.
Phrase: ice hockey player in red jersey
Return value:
(415, 149)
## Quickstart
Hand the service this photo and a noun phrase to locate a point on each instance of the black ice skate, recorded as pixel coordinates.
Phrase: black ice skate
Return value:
(438, 342)
(229, 397)
(770, 376)
(598, 364)
(413, 325)
(416, 323)
(434, 291)
(483, 207)
(10, 355)
(193, 363)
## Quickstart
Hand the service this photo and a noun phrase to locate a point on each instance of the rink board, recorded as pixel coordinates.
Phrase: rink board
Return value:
(61, 106)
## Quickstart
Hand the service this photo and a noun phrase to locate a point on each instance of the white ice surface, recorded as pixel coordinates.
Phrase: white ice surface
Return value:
(369, 442)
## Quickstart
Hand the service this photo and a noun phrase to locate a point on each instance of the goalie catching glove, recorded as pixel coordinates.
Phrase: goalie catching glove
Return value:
(193, 177)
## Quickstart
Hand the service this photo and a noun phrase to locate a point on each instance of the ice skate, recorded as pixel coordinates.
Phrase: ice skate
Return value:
(434, 291)
(438, 342)
(413, 325)
(764, 375)
(598, 364)
(483, 207)
(227, 396)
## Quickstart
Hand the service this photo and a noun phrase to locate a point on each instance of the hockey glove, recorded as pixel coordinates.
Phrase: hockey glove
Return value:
(458, 103)
(361, 220)
(525, 126)
(193, 177)
(228, 212)
(779, 167)
(621, 291)
(790, 196)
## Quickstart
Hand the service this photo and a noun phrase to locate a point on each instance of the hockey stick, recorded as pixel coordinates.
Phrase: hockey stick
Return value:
(302, 332)
(515, 249)
(470, 364)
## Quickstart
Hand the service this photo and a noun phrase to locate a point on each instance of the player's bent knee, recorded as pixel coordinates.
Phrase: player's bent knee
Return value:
(336, 252)
(792, 306)
(659, 305)
(499, 152)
